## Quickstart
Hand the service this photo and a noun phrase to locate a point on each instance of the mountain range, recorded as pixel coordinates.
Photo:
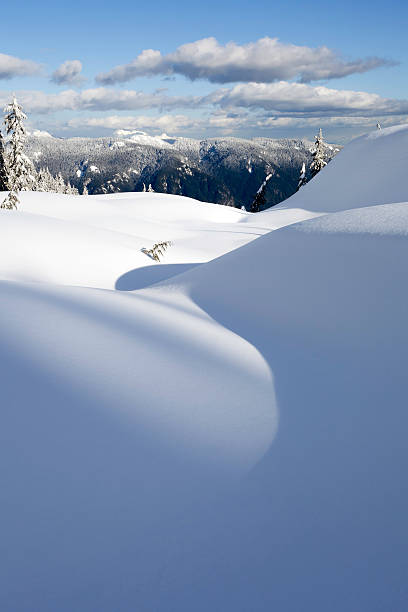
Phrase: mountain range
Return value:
(225, 171)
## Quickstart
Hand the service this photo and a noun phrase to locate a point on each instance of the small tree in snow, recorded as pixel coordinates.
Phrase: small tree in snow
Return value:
(302, 177)
(318, 154)
(20, 170)
(157, 250)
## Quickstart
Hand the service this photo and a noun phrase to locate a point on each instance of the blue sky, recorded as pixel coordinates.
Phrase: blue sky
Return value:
(284, 88)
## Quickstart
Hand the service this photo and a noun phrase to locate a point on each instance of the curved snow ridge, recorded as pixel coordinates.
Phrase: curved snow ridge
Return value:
(153, 361)
(157, 205)
(280, 216)
(38, 248)
(382, 220)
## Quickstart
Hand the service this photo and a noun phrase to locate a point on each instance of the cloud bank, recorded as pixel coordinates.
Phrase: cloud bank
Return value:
(281, 98)
(99, 99)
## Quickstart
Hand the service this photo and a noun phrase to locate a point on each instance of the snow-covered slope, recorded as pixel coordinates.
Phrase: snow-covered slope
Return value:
(97, 241)
(232, 438)
(324, 512)
(370, 170)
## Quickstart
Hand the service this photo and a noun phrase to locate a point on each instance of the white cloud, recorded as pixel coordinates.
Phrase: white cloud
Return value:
(13, 66)
(265, 60)
(292, 98)
(69, 73)
(301, 122)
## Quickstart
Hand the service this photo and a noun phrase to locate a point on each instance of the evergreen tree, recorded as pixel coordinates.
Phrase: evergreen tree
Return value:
(41, 180)
(21, 173)
(259, 200)
(3, 169)
(318, 154)
(302, 177)
(85, 187)
(54, 184)
(60, 183)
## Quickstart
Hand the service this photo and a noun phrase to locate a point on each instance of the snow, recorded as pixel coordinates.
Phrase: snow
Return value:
(370, 170)
(41, 134)
(97, 241)
(139, 137)
(386, 220)
(118, 144)
(231, 438)
(268, 177)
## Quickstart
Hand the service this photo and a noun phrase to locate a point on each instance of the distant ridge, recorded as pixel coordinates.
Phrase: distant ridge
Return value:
(226, 171)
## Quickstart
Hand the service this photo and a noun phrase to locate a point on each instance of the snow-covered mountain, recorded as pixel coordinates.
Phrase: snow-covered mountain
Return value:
(230, 438)
(222, 170)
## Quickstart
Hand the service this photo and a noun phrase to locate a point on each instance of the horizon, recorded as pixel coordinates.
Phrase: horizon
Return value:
(193, 75)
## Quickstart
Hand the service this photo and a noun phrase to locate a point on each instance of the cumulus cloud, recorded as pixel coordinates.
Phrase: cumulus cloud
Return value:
(292, 98)
(265, 60)
(69, 73)
(13, 66)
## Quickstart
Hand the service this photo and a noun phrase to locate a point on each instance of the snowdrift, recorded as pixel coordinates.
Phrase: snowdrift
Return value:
(324, 512)
(369, 170)
(232, 438)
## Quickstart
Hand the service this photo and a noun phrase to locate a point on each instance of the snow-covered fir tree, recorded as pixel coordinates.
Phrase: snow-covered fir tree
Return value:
(85, 187)
(259, 200)
(150, 189)
(54, 184)
(3, 169)
(20, 170)
(302, 177)
(319, 154)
